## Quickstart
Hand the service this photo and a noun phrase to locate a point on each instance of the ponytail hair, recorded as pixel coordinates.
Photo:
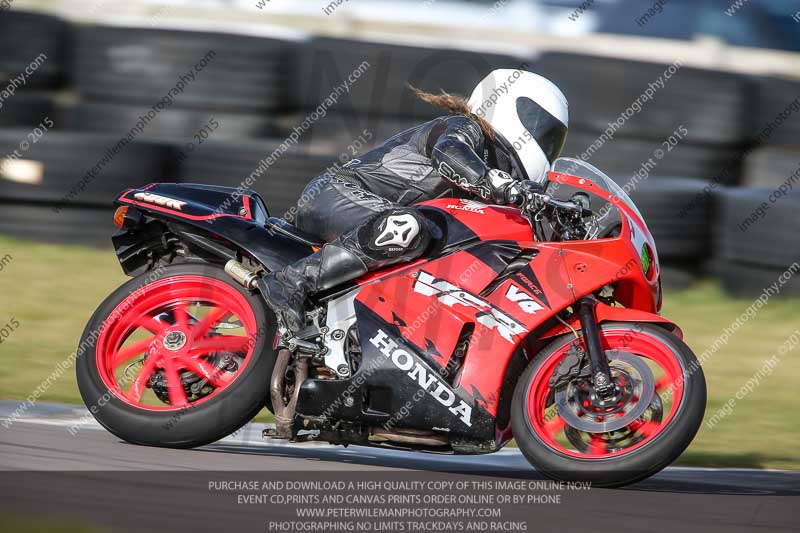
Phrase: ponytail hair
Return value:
(454, 105)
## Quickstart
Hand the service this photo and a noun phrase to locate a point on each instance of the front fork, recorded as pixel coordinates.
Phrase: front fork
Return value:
(601, 372)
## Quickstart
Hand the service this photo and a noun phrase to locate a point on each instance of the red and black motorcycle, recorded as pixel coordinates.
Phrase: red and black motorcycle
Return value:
(538, 323)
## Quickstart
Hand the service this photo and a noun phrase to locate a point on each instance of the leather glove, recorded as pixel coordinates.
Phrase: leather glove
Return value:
(499, 184)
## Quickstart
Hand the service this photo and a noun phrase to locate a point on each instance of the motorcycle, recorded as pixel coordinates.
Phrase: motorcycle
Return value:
(538, 322)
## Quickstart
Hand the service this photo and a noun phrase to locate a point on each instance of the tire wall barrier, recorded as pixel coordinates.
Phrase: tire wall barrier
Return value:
(712, 159)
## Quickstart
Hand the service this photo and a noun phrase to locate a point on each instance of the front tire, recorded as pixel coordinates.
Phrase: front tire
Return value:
(570, 435)
(177, 357)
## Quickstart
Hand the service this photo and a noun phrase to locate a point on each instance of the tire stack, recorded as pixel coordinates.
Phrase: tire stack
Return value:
(757, 227)
(241, 94)
(63, 186)
(121, 73)
(378, 97)
(42, 164)
(689, 130)
(34, 42)
(749, 258)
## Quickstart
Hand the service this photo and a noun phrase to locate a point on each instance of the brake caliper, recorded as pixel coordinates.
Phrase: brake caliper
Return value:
(570, 368)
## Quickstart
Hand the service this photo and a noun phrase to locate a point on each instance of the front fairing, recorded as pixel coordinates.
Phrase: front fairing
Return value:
(615, 215)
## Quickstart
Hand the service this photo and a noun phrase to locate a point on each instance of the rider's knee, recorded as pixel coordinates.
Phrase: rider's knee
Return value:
(400, 233)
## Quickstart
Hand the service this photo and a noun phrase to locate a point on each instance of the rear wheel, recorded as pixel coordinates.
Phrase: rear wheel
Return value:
(179, 357)
(569, 432)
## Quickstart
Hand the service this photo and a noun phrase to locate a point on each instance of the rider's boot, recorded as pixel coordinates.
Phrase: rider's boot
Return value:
(287, 291)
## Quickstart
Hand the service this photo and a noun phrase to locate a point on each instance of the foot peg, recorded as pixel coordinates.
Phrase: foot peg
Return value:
(307, 341)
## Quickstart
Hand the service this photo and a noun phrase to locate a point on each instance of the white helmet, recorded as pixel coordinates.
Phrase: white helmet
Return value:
(529, 114)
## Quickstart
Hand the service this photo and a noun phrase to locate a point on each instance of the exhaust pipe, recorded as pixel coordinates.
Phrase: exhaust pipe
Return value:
(411, 436)
(243, 275)
(284, 413)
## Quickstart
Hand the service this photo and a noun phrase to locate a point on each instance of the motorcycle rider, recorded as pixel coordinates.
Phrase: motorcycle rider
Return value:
(509, 132)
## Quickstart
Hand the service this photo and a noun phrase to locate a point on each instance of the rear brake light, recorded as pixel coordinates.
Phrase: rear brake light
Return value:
(119, 216)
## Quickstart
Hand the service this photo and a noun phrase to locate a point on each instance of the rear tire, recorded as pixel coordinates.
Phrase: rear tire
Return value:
(197, 423)
(617, 468)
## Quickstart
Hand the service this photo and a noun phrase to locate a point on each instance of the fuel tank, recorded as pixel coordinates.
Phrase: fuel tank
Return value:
(463, 221)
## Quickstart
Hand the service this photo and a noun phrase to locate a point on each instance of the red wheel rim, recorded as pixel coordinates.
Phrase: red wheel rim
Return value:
(160, 327)
(550, 427)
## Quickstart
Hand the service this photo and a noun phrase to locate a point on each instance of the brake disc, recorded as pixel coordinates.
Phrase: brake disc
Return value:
(617, 440)
(635, 388)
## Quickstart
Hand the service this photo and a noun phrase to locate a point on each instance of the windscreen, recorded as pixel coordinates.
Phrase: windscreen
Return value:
(607, 220)
(582, 169)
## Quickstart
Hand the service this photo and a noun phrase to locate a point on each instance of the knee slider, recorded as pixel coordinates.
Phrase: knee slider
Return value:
(398, 232)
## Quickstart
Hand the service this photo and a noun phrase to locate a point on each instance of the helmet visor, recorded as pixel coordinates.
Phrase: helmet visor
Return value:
(549, 132)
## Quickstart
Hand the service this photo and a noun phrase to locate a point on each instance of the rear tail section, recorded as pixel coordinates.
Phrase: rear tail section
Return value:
(167, 222)
(197, 203)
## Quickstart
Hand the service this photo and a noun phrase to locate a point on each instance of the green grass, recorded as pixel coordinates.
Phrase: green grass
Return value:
(763, 428)
(53, 290)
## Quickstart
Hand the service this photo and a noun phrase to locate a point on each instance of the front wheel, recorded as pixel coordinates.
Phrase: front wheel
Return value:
(569, 432)
(177, 357)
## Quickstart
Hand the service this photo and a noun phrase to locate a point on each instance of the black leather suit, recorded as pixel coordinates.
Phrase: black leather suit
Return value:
(446, 157)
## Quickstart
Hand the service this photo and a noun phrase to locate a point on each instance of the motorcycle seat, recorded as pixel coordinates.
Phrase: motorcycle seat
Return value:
(283, 227)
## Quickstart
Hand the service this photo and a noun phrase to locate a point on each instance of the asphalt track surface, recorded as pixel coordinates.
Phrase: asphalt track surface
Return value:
(45, 471)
